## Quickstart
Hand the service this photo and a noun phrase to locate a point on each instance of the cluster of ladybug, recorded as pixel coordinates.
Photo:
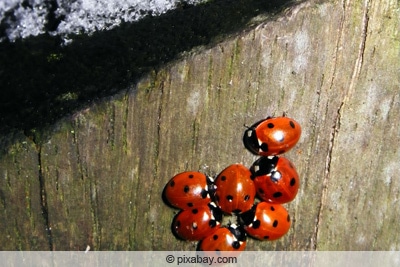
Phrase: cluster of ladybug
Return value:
(272, 178)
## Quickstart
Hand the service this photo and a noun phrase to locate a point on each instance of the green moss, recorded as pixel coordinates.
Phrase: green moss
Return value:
(53, 57)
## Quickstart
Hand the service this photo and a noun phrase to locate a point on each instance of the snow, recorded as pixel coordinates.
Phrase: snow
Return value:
(25, 21)
(22, 19)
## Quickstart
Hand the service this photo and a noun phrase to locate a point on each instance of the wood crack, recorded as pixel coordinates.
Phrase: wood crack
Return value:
(156, 172)
(361, 50)
(335, 129)
(43, 200)
(83, 170)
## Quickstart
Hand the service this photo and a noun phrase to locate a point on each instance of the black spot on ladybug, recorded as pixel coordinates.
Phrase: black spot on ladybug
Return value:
(292, 181)
(264, 147)
(191, 176)
(204, 193)
(215, 237)
(272, 208)
(189, 204)
(172, 183)
(266, 237)
(246, 198)
(195, 211)
(260, 191)
(186, 189)
(236, 244)
(277, 194)
(229, 198)
(270, 125)
(275, 224)
(288, 218)
(256, 224)
(223, 178)
(292, 124)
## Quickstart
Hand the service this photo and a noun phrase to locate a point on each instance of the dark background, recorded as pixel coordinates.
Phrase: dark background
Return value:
(42, 81)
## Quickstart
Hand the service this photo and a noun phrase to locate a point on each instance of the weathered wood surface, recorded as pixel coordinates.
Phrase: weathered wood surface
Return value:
(332, 65)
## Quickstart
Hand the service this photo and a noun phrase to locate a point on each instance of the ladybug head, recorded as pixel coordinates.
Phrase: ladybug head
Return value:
(247, 217)
(238, 232)
(250, 140)
(264, 165)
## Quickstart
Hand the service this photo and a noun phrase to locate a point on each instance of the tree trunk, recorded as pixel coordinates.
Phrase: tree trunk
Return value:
(333, 66)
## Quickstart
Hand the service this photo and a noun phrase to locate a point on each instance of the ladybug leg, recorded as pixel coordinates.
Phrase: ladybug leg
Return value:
(248, 127)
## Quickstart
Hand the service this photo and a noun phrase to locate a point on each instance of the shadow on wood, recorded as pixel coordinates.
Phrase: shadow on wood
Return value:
(42, 81)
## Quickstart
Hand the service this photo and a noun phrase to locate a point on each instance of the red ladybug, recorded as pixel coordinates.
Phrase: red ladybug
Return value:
(272, 136)
(276, 179)
(266, 221)
(189, 190)
(197, 223)
(235, 190)
(231, 238)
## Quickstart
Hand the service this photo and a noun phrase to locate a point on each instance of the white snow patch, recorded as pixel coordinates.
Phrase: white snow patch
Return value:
(27, 21)
(79, 16)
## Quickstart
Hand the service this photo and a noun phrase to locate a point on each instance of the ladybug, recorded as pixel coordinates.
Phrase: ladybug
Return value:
(189, 190)
(197, 223)
(231, 238)
(272, 136)
(266, 221)
(235, 190)
(276, 179)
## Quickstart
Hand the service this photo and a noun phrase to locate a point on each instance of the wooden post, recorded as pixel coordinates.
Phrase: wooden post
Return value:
(332, 65)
